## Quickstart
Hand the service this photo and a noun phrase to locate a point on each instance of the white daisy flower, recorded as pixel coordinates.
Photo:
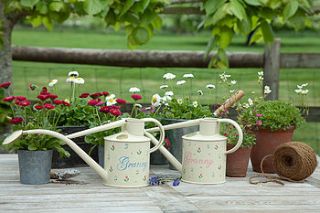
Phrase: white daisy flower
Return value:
(246, 106)
(52, 83)
(180, 101)
(260, 73)
(166, 99)
(169, 93)
(250, 102)
(156, 99)
(231, 91)
(137, 105)
(195, 104)
(211, 86)
(181, 82)
(70, 79)
(233, 82)
(224, 77)
(267, 90)
(164, 86)
(299, 86)
(200, 92)
(78, 81)
(304, 92)
(304, 85)
(298, 91)
(188, 75)
(111, 100)
(134, 90)
(73, 74)
(169, 76)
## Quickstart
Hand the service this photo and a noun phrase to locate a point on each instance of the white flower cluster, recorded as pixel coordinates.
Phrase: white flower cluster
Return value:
(301, 90)
(260, 76)
(250, 103)
(134, 90)
(211, 86)
(52, 82)
(73, 78)
(267, 90)
(169, 76)
(224, 77)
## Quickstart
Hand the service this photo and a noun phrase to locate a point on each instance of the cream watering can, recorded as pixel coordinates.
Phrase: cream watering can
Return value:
(204, 152)
(127, 153)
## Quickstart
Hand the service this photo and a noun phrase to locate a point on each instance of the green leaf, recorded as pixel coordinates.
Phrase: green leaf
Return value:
(220, 14)
(257, 37)
(127, 5)
(225, 37)
(141, 5)
(212, 6)
(157, 22)
(290, 9)
(36, 21)
(47, 23)
(56, 6)
(140, 35)
(32, 147)
(42, 7)
(266, 31)
(92, 7)
(253, 2)
(29, 3)
(237, 9)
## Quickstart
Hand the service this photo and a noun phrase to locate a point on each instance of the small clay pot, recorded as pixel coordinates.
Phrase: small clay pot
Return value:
(237, 162)
(266, 143)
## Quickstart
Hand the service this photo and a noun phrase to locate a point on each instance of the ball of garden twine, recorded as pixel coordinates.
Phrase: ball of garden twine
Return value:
(294, 160)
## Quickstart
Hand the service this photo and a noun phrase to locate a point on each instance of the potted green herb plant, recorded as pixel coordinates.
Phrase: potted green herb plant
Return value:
(273, 123)
(35, 151)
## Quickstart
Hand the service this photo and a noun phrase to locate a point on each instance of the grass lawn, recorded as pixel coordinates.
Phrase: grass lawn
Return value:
(119, 80)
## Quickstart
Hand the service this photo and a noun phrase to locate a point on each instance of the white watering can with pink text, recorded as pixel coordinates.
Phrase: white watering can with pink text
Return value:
(127, 153)
(204, 152)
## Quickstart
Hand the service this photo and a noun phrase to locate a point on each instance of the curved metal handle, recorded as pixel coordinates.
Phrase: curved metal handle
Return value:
(162, 133)
(238, 128)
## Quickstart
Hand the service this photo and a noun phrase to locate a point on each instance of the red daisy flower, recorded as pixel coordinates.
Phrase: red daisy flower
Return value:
(136, 97)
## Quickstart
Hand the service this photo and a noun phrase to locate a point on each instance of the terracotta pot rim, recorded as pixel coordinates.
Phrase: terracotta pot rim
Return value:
(290, 129)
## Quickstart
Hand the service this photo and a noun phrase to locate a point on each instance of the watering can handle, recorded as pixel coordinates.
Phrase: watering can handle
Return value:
(161, 133)
(238, 128)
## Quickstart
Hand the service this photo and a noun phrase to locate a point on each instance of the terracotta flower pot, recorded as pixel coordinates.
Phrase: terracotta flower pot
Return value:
(266, 143)
(237, 162)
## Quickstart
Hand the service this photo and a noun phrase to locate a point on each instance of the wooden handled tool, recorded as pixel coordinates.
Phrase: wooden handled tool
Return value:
(229, 102)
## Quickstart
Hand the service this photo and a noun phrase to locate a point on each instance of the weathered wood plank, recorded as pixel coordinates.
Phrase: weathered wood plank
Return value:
(137, 58)
(300, 60)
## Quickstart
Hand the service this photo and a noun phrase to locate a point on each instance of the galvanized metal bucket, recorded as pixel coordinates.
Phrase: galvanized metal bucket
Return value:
(34, 166)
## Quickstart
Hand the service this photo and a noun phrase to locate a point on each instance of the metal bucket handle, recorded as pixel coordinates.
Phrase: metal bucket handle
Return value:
(238, 128)
(162, 133)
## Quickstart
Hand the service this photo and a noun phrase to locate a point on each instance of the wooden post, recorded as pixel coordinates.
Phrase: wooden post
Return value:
(272, 69)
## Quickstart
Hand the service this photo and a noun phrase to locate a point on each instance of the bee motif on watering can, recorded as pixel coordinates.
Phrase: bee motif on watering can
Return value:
(110, 169)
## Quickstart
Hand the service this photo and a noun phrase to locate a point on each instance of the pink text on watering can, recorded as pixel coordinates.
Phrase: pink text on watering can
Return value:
(188, 159)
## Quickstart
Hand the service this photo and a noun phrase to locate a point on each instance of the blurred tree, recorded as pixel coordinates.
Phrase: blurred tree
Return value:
(139, 18)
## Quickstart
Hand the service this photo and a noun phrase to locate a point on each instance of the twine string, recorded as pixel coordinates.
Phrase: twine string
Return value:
(293, 162)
